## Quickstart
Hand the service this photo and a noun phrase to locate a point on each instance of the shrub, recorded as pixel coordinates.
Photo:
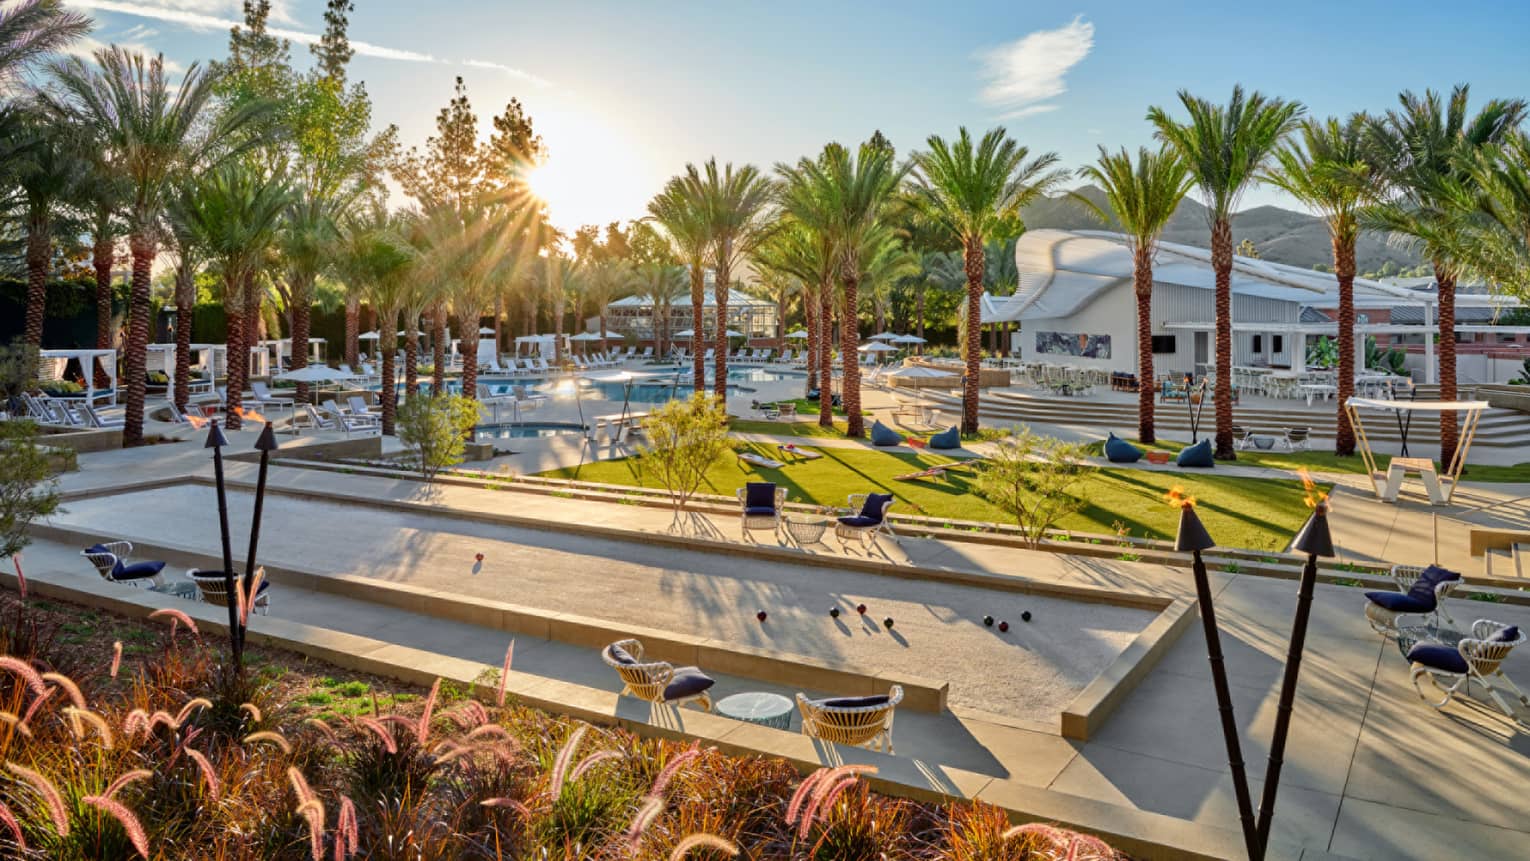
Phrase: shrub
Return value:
(435, 429)
(685, 439)
(1034, 479)
(27, 487)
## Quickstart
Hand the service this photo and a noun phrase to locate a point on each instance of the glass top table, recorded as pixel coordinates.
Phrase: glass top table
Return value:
(765, 709)
(806, 528)
(1409, 636)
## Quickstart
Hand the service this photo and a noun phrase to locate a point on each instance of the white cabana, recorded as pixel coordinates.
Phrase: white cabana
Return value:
(212, 359)
(87, 360)
(545, 345)
(1440, 486)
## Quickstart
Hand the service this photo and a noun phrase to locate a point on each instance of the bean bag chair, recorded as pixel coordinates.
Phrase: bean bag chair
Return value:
(1196, 455)
(1118, 450)
(883, 435)
(951, 437)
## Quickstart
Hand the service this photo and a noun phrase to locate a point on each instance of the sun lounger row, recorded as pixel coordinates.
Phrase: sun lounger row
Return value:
(70, 412)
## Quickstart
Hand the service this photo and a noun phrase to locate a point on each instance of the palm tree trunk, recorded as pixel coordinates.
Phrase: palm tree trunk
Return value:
(411, 356)
(388, 397)
(850, 357)
(238, 354)
(1449, 432)
(825, 350)
(101, 260)
(781, 319)
(251, 320)
(185, 299)
(558, 313)
(720, 363)
(1221, 264)
(352, 328)
(499, 313)
(919, 310)
(1142, 285)
(136, 356)
(974, 265)
(698, 367)
(438, 348)
(470, 357)
(810, 322)
(39, 262)
(603, 347)
(1344, 269)
(302, 321)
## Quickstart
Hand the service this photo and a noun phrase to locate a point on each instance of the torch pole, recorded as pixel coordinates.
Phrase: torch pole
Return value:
(216, 442)
(265, 443)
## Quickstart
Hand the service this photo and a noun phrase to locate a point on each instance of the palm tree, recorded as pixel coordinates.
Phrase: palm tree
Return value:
(557, 276)
(376, 261)
(605, 282)
(180, 219)
(489, 250)
(807, 255)
(661, 284)
(151, 132)
(306, 244)
(234, 217)
(681, 210)
(1141, 198)
(102, 199)
(1500, 247)
(972, 191)
(1424, 148)
(1329, 170)
(31, 29)
(48, 169)
(1226, 148)
(734, 204)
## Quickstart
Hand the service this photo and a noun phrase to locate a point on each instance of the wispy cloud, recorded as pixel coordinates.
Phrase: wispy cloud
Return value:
(1024, 74)
(193, 14)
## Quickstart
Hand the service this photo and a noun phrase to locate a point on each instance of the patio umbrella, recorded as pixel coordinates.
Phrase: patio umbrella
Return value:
(878, 347)
(316, 374)
(800, 335)
(920, 372)
(370, 336)
(686, 334)
(585, 336)
(884, 336)
(908, 339)
(401, 333)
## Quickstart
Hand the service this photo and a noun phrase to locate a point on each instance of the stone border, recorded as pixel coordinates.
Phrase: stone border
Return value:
(1142, 835)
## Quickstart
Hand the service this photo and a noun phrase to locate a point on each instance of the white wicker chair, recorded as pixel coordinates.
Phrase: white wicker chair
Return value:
(107, 558)
(868, 726)
(210, 588)
(866, 535)
(648, 680)
(1484, 653)
(757, 520)
(1384, 621)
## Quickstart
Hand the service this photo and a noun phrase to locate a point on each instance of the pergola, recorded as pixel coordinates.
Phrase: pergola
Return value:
(1441, 487)
(87, 360)
(213, 357)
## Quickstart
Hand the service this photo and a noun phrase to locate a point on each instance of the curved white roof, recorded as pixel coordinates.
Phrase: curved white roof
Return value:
(736, 299)
(1062, 271)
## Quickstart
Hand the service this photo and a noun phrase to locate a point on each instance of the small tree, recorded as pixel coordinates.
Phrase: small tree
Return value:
(1034, 479)
(685, 439)
(28, 489)
(435, 430)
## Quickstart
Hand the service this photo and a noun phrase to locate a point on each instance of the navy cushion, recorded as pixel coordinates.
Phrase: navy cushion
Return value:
(1434, 575)
(1118, 450)
(1196, 455)
(855, 702)
(760, 510)
(883, 435)
(97, 548)
(760, 494)
(1507, 635)
(949, 438)
(875, 502)
(687, 682)
(1438, 657)
(136, 571)
(857, 520)
(621, 656)
(1400, 602)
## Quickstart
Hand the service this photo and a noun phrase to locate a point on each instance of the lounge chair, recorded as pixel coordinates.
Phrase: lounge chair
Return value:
(1421, 591)
(870, 521)
(1478, 657)
(360, 407)
(96, 420)
(761, 503)
(212, 589)
(540, 365)
(647, 353)
(857, 721)
(111, 561)
(657, 681)
(351, 421)
(264, 397)
(1298, 438)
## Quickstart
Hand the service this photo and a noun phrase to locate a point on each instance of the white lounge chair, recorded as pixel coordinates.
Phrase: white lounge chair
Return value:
(1478, 657)
(856, 721)
(212, 589)
(111, 561)
(657, 681)
(264, 397)
(870, 520)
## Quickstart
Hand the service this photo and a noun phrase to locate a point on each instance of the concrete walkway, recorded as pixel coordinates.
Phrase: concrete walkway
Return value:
(1371, 771)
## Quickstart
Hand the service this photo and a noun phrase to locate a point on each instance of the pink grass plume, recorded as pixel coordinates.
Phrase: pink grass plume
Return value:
(696, 841)
(21, 579)
(209, 774)
(504, 675)
(116, 658)
(9, 818)
(176, 617)
(125, 818)
(49, 793)
(27, 673)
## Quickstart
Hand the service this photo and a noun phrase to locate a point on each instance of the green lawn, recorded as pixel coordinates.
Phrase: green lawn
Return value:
(1327, 461)
(1238, 512)
(797, 428)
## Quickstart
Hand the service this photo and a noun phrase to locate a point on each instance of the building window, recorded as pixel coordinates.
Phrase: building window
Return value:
(1277, 344)
(1259, 343)
(1163, 344)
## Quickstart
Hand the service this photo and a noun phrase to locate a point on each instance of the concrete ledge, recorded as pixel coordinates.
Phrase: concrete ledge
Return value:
(82, 440)
(1088, 711)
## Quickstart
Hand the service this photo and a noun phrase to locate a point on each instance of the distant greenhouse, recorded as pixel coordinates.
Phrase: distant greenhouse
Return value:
(633, 316)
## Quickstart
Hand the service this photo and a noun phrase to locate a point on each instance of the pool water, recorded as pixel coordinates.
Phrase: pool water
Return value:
(659, 386)
(526, 430)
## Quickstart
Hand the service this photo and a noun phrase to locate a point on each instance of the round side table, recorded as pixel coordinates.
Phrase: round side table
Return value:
(765, 709)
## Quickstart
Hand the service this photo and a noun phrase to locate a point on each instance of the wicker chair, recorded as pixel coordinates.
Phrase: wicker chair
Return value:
(760, 507)
(1415, 595)
(868, 523)
(1479, 657)
(657, 681)
(210, 588)
(111, 561)
(859, 721)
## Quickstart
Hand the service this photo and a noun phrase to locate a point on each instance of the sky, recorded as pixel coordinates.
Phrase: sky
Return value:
(626, 93)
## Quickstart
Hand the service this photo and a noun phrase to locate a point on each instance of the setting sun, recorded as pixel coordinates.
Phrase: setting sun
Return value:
(591, 175)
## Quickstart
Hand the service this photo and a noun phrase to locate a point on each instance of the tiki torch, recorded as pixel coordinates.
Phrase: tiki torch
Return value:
(216, 441)
(265, 444)
(1194, 538)
(1314, 540)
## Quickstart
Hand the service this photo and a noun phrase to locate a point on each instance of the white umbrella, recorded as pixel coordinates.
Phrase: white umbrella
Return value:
(687, 334)
(884, 336)
(316, 374)
(401, 333)
(733, 334)
(800, 334)
(878, 347)
(585, 336)
(485, 331)
(908, 339)
(920, 372)
(368, 336)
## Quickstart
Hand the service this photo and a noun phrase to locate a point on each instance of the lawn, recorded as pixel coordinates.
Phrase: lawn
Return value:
(1239, 512)
(797, 428)
(1327, 461)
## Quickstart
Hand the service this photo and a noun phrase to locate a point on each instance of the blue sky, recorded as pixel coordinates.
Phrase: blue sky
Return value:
(626, 92)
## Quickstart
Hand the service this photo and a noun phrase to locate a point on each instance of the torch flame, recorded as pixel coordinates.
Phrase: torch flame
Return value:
(1313, 496)
(250, 415)
(1178, 498)
(197, 422)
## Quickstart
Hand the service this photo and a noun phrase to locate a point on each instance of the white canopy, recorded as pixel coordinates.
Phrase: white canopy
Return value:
(585, 336)
(908, 339)
(1418, 406)
(884, 336)
(878, 347)
(316, 374)
(920, 372)
(87, 360)
(371, 336)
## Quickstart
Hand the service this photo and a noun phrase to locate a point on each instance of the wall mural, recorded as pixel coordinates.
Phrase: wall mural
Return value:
(1071, 344)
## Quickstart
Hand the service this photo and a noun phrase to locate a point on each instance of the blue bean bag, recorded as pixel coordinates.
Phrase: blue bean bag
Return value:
(883, 435)
(951, 437)
(1196, 455)
(1118, 450)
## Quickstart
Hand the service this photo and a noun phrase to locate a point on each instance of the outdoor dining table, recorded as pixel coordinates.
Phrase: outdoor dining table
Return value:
(758, 707)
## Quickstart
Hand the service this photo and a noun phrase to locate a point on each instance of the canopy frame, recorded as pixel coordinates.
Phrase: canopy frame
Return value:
(1472, 411)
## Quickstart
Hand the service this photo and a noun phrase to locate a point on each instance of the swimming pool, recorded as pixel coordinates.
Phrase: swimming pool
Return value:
(652, 387)
(526, 430)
